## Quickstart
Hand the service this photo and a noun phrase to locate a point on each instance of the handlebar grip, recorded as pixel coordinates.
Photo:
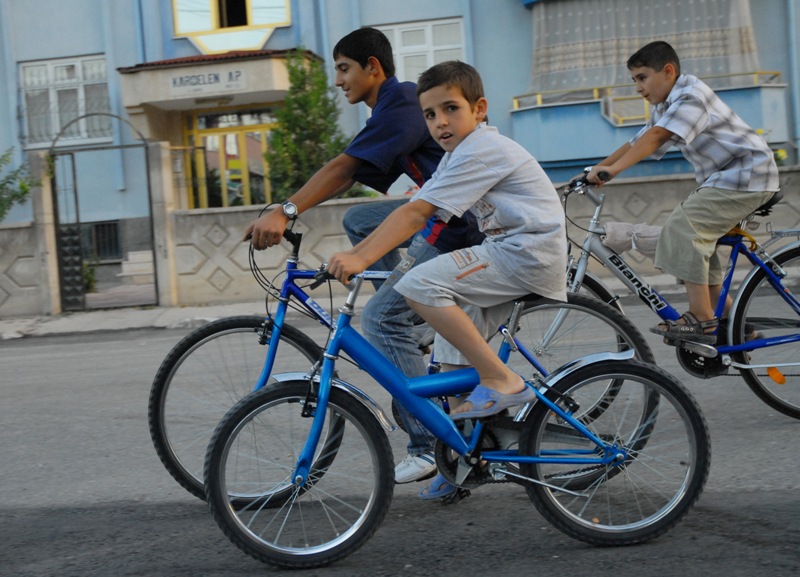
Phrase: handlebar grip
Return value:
(604, 176)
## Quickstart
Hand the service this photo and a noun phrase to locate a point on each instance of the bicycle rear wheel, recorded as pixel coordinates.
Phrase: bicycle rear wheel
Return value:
(202, 377)
(760, 308)
(666, 445)
(253, 453)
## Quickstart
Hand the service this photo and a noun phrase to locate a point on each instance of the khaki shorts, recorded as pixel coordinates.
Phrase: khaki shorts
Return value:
(466, 278)
(687, 247)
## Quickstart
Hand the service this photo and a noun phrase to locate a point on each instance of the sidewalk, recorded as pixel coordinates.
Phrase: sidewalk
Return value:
(121, 319)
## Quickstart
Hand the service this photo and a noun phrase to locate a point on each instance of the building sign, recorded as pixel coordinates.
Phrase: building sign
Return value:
(207, 82)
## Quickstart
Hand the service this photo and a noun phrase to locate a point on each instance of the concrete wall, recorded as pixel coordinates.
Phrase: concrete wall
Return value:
(211, 261)
(201, 259)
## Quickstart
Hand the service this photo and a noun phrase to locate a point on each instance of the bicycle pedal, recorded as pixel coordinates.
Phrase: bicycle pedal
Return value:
(453, 498)
(704, 350)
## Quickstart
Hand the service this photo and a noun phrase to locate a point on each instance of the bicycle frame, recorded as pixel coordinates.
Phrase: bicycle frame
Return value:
(415, 394)
(594, 246)
(289, 290)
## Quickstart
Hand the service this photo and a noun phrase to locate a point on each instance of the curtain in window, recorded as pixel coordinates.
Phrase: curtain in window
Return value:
(585, 43)
(59, 91)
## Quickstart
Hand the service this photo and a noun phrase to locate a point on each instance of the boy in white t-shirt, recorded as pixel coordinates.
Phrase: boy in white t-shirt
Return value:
(518, 209)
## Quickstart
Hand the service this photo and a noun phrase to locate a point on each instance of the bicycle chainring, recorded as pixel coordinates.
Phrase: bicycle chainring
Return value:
(502, 433)
(699, 366)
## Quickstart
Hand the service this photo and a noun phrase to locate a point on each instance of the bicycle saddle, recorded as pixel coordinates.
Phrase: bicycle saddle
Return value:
(766, 208)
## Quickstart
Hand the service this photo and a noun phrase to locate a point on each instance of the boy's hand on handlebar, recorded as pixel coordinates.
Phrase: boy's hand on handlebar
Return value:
(599, 175)
(343, 265)
(267, 230)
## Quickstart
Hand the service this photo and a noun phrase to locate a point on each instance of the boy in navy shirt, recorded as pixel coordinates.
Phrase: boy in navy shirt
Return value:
(395, 141)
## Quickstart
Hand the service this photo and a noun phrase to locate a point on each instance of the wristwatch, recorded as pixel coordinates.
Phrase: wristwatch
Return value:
(289, 209)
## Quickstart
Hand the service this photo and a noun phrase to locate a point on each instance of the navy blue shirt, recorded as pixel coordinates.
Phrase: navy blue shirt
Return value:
(396, 141)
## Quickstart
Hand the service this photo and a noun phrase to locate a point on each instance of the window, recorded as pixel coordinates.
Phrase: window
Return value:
(56, 92)
(419, 45)
(100, 241)
(580, 44)
(216, 26)
(232, 13)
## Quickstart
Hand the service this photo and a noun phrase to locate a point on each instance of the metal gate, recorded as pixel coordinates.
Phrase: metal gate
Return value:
(86, 242)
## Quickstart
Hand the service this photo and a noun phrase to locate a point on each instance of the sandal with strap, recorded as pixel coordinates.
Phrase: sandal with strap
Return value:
(486, 402)
(690, 330)
(438, 488)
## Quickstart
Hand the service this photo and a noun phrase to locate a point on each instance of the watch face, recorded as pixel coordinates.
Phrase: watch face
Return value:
(289, 209)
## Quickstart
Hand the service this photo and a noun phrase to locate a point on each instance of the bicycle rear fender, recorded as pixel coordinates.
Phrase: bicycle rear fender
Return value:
(351, 390)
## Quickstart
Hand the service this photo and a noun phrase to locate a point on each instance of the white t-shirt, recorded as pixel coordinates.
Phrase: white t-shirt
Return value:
(516, 205)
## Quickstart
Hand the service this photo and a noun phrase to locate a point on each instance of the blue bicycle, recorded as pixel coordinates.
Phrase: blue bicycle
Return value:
(217, 364)
(300, 473)
(760, 337)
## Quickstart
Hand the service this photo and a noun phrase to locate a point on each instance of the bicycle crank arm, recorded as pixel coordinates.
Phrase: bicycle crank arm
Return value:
(702, 349)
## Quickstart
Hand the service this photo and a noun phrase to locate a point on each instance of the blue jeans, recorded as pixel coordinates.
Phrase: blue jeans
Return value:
(361, 219)
(387, 320)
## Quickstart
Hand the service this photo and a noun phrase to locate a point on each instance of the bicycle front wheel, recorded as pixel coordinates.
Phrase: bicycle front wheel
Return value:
(760, 311)
(665, 445)
(202, 377)
(252, 455)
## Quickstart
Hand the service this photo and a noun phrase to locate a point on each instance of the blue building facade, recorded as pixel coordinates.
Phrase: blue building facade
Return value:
(92, 81)
(95, 45)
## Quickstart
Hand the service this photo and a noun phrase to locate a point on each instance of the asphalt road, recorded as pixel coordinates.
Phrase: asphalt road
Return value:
(82, 492)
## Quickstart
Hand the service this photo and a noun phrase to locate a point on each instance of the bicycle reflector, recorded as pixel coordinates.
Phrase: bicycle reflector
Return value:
(776, 375)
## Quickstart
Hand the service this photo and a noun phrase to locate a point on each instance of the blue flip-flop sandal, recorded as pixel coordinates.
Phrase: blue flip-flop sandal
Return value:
(486, 402)
(438, 488)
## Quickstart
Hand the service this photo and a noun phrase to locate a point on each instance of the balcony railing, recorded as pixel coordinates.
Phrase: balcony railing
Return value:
(622, 108)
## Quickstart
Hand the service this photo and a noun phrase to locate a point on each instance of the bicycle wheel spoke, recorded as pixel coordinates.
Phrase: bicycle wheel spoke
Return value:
(760, 311)
(663, 455)
(345, 495)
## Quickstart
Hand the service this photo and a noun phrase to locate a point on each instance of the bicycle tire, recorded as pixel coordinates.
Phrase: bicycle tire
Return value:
(202, 377)
(665, 468)
(255, 448)
(760, 308)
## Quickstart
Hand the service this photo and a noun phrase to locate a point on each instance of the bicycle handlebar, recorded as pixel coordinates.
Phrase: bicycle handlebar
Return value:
(582, 181)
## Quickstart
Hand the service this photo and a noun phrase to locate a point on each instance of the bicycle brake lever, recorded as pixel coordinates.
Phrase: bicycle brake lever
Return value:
(321, 276)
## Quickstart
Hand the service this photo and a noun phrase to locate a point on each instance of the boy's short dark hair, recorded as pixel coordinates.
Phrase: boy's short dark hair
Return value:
(655, 55)
(452, 73)
(360, 44)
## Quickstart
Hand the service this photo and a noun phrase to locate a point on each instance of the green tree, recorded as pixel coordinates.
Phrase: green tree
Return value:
(15, 185)
(307, 135)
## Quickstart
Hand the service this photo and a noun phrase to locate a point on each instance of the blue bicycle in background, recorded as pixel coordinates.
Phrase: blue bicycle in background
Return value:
(760, 337)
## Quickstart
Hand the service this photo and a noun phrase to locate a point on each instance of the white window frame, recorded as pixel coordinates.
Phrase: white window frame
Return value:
(54, 86)
(426, 49)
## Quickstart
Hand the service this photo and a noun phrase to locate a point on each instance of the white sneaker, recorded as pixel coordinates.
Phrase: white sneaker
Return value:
(415, 468)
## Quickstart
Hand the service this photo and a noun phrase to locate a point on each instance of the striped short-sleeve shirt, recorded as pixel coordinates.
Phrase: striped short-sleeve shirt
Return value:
(723, 149)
